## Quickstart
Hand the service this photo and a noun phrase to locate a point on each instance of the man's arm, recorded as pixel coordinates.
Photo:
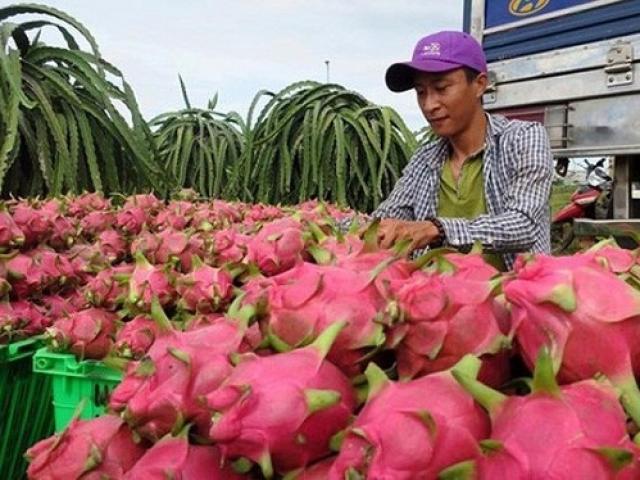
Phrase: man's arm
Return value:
(399, 203)
(526, 198)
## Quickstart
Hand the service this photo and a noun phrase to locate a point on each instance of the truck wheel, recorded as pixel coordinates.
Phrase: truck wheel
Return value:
(561, 237)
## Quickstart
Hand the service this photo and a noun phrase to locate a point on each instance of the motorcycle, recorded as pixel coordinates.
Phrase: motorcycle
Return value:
(593, 199)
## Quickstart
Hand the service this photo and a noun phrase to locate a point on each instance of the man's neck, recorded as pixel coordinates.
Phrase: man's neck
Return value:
(471, 140)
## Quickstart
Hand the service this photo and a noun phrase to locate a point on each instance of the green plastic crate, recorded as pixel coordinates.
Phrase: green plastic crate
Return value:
(26, 414)
(75, 381)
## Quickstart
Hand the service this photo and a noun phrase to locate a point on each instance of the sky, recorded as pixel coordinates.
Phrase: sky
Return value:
(238, 47)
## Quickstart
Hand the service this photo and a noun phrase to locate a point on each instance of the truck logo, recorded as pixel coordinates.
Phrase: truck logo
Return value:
(522, 8)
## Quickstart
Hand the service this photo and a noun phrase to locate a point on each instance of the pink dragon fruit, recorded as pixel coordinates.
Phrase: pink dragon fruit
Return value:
(36, 271)
(308, 298)
(585, 315)
(413, 430)
(278, 247)
(88, 333)
(229, 246)
(21, 319)
(148, 202)
(205, 289)
(35, 224)
(262, 213)
(96, 222)
(577, 431)
(447, 317)
(57, 306)
(148, 281)
(10, 234)
(167, 388)
(174, 457)
(176, 216)
(86, 260)
(64, 231)
(281, 411)
(180, 247)
(112, 245)
(89, 449)
(109, 288)
(136, 336)
(317, 471)
(87, 203)
(131, 220)
(146, 243)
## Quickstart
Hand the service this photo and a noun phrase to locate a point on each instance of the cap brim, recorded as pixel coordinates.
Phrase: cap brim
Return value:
(400, 76)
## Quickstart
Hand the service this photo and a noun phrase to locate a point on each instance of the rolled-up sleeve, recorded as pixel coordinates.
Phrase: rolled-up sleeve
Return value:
(524, 204)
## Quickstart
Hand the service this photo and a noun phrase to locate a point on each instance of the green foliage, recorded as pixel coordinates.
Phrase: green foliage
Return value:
(200, 146)
(62, 127)
(314, 140)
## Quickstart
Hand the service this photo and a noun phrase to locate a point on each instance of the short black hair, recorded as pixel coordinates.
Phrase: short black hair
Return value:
(470, 73)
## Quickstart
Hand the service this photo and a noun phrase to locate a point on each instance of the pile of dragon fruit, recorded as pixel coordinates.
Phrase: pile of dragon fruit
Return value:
(262, 342)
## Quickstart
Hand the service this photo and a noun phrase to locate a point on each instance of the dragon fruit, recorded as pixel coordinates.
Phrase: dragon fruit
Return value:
(147, 282)
(176, 216)
(38, 270)
(180, 247)
(317, 471)
(166, 388)
(205, 289)
(35, 224)
(88, 333)
(10, 234)
(277, 247)
(281, 411)
(89, 449)
(96, 222)
(57, 306)
(21, 319)
(412, 430)
(136, 336)
(447, 317)
(308, 298)
(131, 220)
(147, 201)
(229, 246)
(584, 314)
(112, 245)
(109, 288)
(574, 431)
(64, 231)
(175, 458)
(84, 204)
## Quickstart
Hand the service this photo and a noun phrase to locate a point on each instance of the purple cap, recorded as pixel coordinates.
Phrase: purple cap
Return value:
(439, 52)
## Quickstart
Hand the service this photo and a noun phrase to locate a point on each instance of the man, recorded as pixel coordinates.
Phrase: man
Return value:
(484, 178)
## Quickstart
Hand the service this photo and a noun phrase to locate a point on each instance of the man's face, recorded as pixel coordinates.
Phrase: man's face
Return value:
(448, 100)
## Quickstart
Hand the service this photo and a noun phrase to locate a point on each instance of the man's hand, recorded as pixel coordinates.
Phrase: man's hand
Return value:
(392, 231)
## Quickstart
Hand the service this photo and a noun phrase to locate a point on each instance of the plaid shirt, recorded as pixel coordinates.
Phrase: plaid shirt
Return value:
(517, 170)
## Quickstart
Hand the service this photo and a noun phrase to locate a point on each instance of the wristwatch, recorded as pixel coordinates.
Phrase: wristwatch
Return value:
(442, 236)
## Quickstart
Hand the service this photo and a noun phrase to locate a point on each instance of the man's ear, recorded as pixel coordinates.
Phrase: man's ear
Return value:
(481, 83)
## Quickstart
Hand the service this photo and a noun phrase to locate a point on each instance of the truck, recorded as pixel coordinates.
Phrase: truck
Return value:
(572, 65)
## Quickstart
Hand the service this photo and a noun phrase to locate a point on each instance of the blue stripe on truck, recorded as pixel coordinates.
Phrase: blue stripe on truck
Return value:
(610, 21)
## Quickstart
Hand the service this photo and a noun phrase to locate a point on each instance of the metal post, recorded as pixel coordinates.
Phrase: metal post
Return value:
(326, 62)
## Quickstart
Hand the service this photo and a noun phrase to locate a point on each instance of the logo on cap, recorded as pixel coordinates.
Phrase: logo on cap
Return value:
(522, 8)
(431, 49)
